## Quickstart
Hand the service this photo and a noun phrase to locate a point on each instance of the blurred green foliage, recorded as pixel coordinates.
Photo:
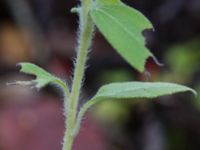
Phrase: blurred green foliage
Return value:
(183, 61)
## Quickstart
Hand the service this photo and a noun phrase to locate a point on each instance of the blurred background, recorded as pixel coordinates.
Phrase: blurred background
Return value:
(44, 32)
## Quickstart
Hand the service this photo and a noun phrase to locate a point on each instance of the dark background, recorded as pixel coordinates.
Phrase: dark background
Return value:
(44, 32)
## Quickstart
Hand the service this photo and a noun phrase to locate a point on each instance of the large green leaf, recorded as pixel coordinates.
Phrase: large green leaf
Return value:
(122, 26)
(131, 90)
(42, 77)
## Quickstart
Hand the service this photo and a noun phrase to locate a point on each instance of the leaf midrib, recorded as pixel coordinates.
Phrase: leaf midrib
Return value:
(125, 29)
(132, 90)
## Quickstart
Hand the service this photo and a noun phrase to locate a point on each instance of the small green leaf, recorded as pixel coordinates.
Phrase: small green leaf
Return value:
(131, 90)
(122, 26)
(42, 77)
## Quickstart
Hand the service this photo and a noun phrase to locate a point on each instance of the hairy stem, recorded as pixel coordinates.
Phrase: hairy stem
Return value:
(85, 39)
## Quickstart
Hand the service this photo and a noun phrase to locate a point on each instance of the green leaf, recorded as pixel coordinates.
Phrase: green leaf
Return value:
(42, 77)
(131, 90)
(122, 26)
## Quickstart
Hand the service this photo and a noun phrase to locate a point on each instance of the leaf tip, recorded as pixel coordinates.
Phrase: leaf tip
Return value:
(75, 10)
(10, 83)
(193, 91)
(21, 66)
(22, 83)
(156, 61)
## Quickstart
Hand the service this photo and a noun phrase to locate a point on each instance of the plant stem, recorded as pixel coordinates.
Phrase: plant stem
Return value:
(85, 40)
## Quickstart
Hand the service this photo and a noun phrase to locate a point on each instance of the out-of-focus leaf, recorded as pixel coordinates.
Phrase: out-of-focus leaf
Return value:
(183, 59)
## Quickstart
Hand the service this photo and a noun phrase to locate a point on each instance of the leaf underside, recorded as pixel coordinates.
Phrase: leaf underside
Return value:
(129, 90)
(122, 26)
(132, 91)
